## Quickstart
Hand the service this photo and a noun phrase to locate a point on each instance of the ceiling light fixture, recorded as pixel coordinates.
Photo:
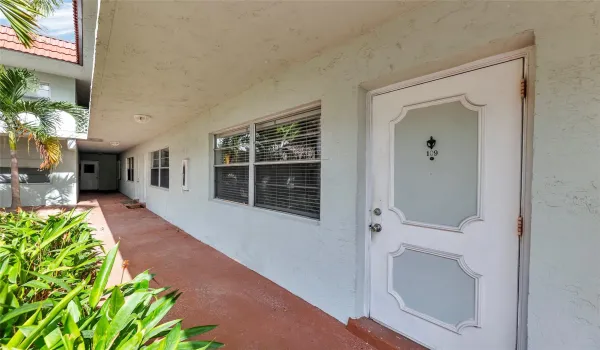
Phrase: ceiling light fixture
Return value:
(114, 143)
(141, 118)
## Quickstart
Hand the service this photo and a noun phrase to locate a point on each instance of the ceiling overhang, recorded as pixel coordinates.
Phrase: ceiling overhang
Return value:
(173, 60)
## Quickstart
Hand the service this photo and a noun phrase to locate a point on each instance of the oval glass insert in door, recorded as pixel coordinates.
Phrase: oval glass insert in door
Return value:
(436, 164)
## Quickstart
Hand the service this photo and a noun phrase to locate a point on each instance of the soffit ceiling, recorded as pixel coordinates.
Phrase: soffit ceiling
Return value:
(172, 60)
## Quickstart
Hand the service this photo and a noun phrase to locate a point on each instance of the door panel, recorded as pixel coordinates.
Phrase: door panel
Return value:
(89, 175)
(436, 186)
(447, 172)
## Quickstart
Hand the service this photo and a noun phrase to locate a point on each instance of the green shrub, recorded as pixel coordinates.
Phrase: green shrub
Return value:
(53, 292)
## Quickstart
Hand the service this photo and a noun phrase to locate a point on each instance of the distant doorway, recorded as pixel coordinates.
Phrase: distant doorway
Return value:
(89, 170)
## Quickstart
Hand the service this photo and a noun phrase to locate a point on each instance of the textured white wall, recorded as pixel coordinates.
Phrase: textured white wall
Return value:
(62, 189)
(321, 262)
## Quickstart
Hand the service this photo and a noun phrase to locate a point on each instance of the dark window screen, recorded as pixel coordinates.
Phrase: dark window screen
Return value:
(89, 168)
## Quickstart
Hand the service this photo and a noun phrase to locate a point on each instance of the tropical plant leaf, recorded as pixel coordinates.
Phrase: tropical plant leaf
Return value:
(116, 301)
(51, 279)
(161, 330)
(62, 304)
(53, 338)
(185, 333)
(102, 277)
(163, 305)
(101, 333)
(24, 310)
(36, 284)
(49, 305)
(172, 339)
(20, 335)
(125, 315)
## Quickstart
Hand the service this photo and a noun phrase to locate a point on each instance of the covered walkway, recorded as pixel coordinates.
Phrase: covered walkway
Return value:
(251, 311)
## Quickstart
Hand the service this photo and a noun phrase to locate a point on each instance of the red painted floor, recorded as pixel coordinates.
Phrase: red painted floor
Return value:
(251, 311)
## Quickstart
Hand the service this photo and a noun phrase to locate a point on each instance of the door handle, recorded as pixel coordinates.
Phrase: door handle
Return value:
(375, 228)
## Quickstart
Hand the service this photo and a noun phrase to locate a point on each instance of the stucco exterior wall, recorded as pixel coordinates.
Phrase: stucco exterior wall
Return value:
(61, 88)
(322, 261)
(62, 189)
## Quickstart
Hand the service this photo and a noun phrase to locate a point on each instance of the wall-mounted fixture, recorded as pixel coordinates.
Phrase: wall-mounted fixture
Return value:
(184, 174)
(141, 118)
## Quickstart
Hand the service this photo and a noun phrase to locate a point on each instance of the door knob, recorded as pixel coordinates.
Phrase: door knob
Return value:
(375, 227)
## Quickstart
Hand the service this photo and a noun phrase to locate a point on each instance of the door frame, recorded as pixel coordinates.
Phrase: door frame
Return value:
(97, 167)
(140, 176)
(527, 54)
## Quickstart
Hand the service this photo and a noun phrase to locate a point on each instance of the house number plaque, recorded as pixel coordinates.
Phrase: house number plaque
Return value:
(432, 153)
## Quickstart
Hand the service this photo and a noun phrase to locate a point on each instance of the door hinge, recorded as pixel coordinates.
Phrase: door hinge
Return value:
(523, 88)
(520, 226)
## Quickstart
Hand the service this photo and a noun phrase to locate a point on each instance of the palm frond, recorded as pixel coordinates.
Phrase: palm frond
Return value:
(49, 148)
(78, 113)
(46, 7)
(42, 128)
(22, 16)
(48, 118)
(15, 82)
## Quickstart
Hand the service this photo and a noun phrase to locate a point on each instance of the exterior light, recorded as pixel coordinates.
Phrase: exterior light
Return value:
(141, 118)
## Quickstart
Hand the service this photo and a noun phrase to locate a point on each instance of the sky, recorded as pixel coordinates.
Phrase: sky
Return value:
(59, 25)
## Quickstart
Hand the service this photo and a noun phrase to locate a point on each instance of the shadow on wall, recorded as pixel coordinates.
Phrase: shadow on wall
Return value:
(60, 191)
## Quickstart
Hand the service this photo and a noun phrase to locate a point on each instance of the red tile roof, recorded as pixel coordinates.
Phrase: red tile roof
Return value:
(42, 46)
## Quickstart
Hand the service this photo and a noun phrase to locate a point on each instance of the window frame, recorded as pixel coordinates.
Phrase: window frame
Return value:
(160, 167)
(252, 163)
(130, 165)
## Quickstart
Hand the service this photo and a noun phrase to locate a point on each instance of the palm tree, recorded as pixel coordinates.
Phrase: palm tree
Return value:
(23, 15)
(33, 119)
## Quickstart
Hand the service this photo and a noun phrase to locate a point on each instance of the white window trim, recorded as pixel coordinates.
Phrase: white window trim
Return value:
(251, 126)
(159, 169)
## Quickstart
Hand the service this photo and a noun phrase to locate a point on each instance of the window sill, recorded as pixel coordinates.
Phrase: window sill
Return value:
(280, 214)
(159, 188)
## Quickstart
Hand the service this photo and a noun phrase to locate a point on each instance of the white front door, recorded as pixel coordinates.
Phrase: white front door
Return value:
(89, 175)
(446, 159)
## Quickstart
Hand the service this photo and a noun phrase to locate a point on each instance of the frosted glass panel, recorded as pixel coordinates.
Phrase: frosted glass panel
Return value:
(434, 286)
(437, 185)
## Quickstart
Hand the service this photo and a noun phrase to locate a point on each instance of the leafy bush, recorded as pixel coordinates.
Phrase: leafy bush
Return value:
(53, 293)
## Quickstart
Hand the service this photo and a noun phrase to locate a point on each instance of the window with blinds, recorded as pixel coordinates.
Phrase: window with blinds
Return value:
(274, 164)
(159, 170)
(232, 161)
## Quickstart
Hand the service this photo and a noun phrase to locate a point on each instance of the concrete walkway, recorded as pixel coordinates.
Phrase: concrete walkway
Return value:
(251, 311)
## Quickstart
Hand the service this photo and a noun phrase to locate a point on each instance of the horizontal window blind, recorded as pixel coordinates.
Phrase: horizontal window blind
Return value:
(292, 188)
(233, 147)
(283, 159)
(288, 168)
(232, 156)
(231, 183)
(291, 138)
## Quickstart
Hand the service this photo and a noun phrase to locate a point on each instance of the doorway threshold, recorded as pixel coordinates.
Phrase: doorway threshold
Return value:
(380, 337)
